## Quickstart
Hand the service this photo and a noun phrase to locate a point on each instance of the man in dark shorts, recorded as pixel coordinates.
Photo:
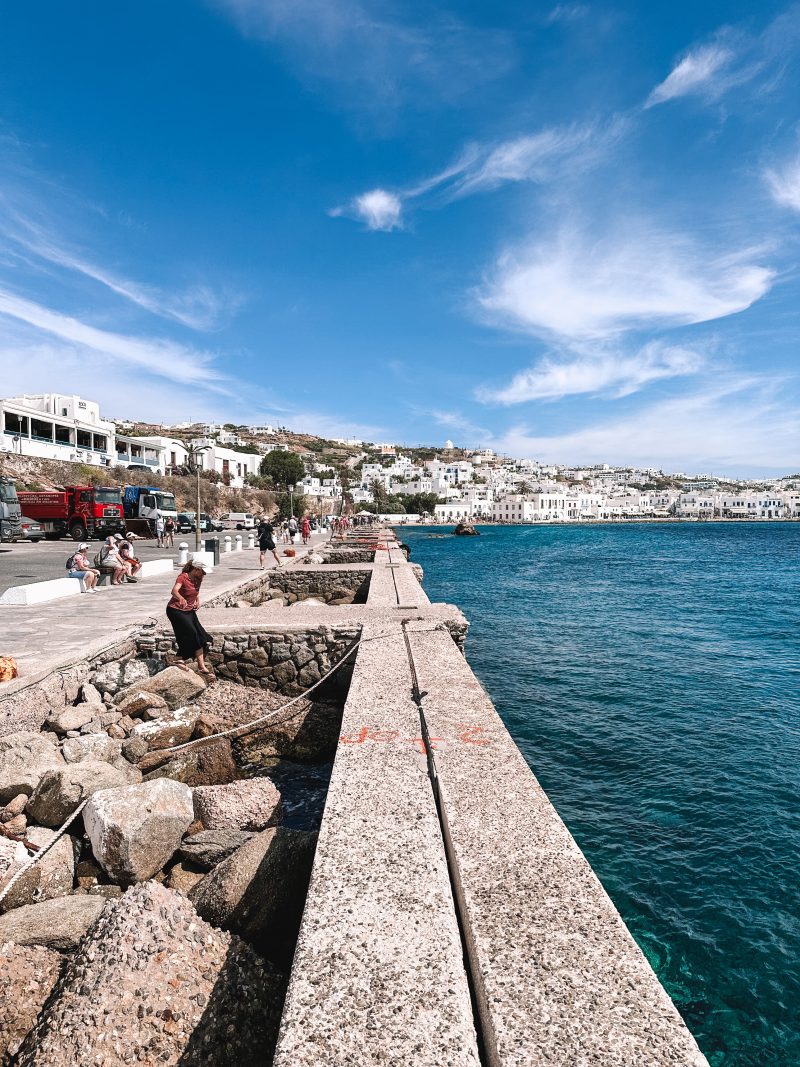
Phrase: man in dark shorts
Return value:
(266, 541)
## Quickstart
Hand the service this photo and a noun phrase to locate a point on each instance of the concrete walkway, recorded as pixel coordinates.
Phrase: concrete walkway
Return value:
(44, 636)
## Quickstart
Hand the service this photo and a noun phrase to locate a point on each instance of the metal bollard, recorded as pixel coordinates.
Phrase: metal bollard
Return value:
(227, 547)
(183, 558)
(251, 540)
(238, 543)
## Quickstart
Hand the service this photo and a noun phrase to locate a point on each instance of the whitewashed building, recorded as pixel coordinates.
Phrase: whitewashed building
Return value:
(56, 426)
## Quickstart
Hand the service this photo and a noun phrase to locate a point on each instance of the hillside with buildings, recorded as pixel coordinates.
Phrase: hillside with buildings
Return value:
(52, 439)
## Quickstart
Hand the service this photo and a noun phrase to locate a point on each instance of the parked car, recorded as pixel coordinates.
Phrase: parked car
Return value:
(30, 530)
(184, 522)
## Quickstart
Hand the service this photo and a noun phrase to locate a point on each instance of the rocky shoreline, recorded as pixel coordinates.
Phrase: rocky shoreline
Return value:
(177, 878)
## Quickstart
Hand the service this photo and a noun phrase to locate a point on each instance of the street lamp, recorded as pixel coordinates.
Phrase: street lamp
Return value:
(194, 454)
(291, 500)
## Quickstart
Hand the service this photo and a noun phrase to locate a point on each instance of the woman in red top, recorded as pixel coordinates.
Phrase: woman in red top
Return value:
(306, 528)
(182, 613)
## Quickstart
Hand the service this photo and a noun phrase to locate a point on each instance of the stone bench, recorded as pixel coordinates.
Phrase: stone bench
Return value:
(42, 592)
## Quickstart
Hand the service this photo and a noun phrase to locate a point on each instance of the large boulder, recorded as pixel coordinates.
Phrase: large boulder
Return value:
(252, 804)
(135, 670)
(28, 974)
(209, 847)
(211, 763)
(91, 747)
(194, 996)
(176, 686)
(174, 728)
(136, 829)
(58, 923)
(60, 791)
(51, 876)
(73, 718)
(139, 703)
(108, 677)
(259, 891)
(24, 758)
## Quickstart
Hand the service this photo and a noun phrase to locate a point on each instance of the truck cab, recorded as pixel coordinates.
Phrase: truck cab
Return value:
(141, 504)
(79, 511)
(10, 511)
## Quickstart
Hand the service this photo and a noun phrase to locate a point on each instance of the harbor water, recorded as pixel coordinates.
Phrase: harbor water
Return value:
(650, 675)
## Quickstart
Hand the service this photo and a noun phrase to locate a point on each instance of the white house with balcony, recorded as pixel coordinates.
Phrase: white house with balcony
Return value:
(56, 426)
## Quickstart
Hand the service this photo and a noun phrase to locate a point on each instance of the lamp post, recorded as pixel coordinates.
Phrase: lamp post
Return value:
(194, 454)
(291, 500)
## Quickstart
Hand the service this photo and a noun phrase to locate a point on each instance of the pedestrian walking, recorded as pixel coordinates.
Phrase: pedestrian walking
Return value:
(169, 532)
(159, 521)
(191, 638)
(266, 541)
(306, 529)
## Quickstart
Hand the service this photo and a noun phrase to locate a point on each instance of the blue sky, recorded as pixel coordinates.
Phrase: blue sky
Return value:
(568, 231)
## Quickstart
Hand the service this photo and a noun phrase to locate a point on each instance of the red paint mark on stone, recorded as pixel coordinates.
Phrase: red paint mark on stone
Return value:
(470, 735)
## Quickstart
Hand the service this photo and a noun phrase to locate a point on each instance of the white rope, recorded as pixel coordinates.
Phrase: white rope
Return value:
(264, 719)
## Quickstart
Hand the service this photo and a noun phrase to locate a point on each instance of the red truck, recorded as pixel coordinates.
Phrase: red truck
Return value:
(78, 510)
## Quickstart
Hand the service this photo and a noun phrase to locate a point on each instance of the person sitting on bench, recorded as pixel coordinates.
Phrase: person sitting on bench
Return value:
(131, 564)
(109, 562)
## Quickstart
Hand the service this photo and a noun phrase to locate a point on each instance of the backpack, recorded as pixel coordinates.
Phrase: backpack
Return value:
(98, 557)
(71, 561)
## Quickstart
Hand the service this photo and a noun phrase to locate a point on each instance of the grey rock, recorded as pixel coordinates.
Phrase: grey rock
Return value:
(284, 673)
(90, 694)
(311, 734)
(24, 758)
(134, 671)
(107, 677)
(131, 774)
(153, 984)
(134, 748)
(28, 974)
(134, 830)
(51, 876)
(142, 704)
(72, 718)
(97, 747)
(252, 804)
(176, 686)
(210, 847)
(175, 727)
(259, 891)
(60, 791)
(93, 727)
(208, 764)
(59, 923)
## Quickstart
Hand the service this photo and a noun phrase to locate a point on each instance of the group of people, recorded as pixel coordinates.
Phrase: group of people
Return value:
(115, 559)
(164, 529)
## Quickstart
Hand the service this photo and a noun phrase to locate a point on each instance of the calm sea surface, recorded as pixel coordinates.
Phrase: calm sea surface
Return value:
(650, 676)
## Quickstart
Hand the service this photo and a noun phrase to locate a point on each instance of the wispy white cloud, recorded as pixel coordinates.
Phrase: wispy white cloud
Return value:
(697, 73)
(371, 58)
(784, 183)
(161, 357)
(545, 156)
(567, 13)
(735, 424)
(199, 307)
(596, 371)
(575, 287)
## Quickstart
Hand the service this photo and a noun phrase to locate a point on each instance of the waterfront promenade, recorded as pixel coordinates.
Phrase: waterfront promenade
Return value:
(450, 918)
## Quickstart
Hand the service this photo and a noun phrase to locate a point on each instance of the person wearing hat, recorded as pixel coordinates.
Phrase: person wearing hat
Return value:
(131, 564)
(190, 636)
(78, 566)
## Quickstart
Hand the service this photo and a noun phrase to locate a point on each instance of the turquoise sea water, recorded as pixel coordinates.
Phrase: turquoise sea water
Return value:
(650, 676)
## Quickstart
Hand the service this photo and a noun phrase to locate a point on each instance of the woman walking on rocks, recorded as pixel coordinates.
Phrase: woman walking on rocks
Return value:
(182, 613)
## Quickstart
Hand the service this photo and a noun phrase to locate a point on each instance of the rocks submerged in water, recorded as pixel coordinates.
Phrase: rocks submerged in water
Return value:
(466, 529)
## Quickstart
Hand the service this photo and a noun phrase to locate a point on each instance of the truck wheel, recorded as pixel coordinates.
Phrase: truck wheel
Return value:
(77, 531)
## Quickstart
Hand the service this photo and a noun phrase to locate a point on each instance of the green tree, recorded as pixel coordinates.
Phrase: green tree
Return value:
(298, 502)
(282, 468)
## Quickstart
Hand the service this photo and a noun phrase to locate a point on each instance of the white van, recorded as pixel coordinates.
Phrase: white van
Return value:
(238, 520)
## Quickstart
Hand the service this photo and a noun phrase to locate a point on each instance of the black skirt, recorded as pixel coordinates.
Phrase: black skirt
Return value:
(189, 632)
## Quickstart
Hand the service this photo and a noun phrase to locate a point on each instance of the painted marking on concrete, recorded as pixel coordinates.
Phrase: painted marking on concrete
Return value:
(467, 735)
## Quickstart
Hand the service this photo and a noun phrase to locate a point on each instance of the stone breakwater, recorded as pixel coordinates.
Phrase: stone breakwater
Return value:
(440, 913)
